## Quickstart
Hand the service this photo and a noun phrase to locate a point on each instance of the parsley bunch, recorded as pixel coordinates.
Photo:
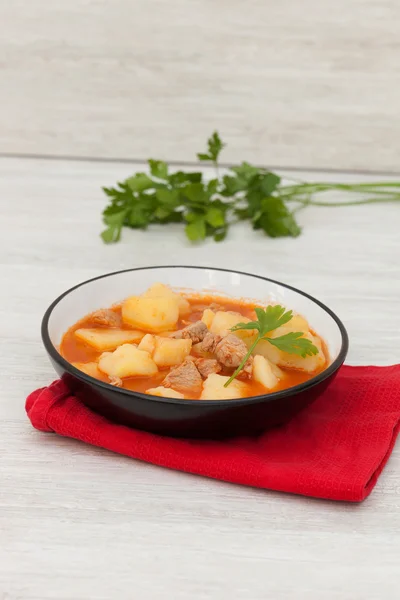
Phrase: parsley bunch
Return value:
(208, 208)
(269, 319)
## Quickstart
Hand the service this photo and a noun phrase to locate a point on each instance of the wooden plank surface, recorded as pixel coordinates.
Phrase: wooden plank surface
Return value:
(300, 84)
(79, 523)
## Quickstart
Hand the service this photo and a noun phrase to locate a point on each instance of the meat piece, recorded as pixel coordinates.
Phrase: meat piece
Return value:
(184, 378)
(195, 332)
(210, 342)
(207, 366)
(247, 371)
(248, 367)
(106, 317)
(230, 351)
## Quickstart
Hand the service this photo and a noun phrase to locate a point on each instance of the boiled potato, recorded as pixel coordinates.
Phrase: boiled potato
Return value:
(213, 388)
(108, 339)
(148, 343)
(263, 372)
(166, 334)
(165, 392)
(159, 290)
(267, 350)
(277, 371)
(296, 323)
(208, 317)
(151, 314)
(224, 321)
(90, 368)
(127, 361)
(309, 364)
(169, 352)
(198, 350)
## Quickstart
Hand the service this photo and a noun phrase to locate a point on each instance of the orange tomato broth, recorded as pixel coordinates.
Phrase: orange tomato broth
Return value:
(77, 351)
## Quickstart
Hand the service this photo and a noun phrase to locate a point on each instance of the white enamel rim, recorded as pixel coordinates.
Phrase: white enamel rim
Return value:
(82, 299)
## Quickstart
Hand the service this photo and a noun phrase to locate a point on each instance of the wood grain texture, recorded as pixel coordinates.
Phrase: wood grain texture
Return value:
(79, 523)
(301, 84)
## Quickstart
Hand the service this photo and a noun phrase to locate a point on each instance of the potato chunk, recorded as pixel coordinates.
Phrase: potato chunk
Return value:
(309, 364)
(277, 371)
(90, 368)
(198, 351)
(108, 339)
(127, 361)
(165, 392)
(296, 323)
(263, 372)
(208, 317)
(213, 388)
(264, 348)
(148, 343)
(159, 290)
(267, 350)
(169, 352)
(151, 314)
(224, 321)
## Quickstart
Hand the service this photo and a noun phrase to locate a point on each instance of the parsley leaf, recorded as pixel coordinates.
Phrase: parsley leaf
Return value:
(115, 222)
(168, 197)
(268, 183)
(215, 217)
(268, 319)
(272, 317)
(294, 343)
(196, 229)
(180, 178)
(275, 219)
(142, 210)
(138, 182)
(196, 194)
(158, 168)
(215, 145)
(245, 172)
(220, 234)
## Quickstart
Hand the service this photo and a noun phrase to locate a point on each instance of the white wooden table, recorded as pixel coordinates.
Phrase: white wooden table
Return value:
(286, 83)
(79, 523)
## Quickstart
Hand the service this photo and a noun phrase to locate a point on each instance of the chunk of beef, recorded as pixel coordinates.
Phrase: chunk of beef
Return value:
(248, 367)
(207, 366)
(210, 342)
(230, 351)
(185, 378)
(195, 332)
(106, 317)
(247, 370)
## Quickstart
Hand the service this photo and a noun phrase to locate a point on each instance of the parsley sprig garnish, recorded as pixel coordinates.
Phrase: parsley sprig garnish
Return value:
(209, 208)
(269, 319)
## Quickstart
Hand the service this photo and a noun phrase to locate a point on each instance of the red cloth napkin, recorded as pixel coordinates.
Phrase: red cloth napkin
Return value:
(335, 449)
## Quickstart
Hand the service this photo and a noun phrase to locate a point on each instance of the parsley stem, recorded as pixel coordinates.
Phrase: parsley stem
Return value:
(352, 203)
(351, 187)
(284, 193)
(244, 361)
